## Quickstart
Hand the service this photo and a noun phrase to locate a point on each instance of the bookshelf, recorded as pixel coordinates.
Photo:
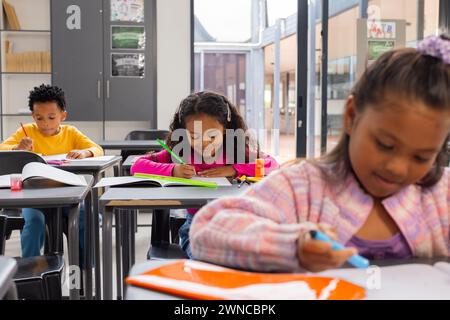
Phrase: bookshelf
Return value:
(25, 51)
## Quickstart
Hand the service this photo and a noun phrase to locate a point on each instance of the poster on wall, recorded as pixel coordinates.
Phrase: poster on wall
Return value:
(381, 29)
(127, 65)
(127, 10)
(378, 47)
(125, 37)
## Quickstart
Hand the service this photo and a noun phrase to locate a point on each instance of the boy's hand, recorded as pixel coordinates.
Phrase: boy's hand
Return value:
(226, 171)
(183, 171)
(79, 154)
(317, 256)
(25, 144)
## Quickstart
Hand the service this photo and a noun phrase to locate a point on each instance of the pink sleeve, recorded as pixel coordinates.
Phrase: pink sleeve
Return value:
(256, 231)
(157, 163)
(270, 164)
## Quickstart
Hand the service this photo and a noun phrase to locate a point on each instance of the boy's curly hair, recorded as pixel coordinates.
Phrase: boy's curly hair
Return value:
(47, 93)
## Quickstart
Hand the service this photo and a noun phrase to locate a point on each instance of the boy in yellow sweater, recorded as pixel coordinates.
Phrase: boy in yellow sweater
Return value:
(48, 136)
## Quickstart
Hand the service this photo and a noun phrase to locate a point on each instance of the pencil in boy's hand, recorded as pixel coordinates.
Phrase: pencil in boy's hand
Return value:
(170, 151)
(23, 129)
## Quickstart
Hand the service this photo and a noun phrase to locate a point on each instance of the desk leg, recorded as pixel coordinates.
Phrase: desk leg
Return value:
(74, 244)
(133, 231)
(119, 252)
(95, 214)
(59, 233)
(128, 250)
(107, 252)
(88, 244)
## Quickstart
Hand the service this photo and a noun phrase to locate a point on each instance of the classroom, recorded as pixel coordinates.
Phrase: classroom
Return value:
(224, 150)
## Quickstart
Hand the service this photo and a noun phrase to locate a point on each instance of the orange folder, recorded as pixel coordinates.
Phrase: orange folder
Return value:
(204, 281)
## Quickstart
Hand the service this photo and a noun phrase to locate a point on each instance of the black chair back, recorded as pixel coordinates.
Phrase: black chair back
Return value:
(14, 161)
(149, 134)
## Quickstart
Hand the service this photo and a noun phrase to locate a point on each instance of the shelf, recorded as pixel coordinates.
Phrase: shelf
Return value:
(26, 73)
(25, 31)
(16, 115)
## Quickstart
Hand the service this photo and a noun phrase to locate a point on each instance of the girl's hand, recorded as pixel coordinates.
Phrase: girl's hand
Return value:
(317, 256)
(79, 154)
(226, 171)
(24, 144)
(183, 171)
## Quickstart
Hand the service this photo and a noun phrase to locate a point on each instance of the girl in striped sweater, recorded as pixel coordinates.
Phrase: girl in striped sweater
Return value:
(383, 191)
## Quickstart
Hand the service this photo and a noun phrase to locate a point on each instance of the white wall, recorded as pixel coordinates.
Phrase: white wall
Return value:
(174, 57)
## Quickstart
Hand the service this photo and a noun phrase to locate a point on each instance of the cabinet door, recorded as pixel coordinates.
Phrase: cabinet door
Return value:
(130, 88)
(77, 40)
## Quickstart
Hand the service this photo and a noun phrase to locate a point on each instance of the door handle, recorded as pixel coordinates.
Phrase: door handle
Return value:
(107, 89)
(99, 89)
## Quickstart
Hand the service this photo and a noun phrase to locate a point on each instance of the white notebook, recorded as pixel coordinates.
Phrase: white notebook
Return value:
(37, 169)
(135, 181)
(63, 157)
(402, 282)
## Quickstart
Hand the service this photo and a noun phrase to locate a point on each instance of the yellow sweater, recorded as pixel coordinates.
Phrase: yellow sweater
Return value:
(69, 138)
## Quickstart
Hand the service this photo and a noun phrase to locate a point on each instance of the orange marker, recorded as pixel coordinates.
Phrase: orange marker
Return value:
(23, 129)
(259, 168)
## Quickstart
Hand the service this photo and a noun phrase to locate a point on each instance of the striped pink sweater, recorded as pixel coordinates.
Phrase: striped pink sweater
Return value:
(259, 230)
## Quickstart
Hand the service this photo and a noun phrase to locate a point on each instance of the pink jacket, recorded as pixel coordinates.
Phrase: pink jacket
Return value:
(260, 229)
(161, 164)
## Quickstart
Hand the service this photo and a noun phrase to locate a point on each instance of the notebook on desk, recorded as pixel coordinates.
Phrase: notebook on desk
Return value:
(161, 181)
(199, 280)
(58, 159)
(37, 169)
(401, 282)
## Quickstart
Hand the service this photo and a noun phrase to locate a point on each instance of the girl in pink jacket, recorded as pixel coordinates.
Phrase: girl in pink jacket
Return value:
(383, 191)
(209, 133)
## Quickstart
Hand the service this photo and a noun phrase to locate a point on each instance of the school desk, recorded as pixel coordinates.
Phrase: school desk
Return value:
(130, 145)
(126, 166)
(137, 293)
(8, 268)
(97, 170)
(146, 198)
(41, 194)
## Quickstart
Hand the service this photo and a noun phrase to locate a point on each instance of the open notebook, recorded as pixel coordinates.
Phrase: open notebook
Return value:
(401, 282)
(37, 169)
(162, 181)
(199, 280)
(62, 158)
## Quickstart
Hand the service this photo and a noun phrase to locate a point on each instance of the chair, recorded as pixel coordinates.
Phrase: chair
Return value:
(3, 222)
(148, 134)
(13, 162)
(167, 251)
(161, 220)
(8, 268)
(39, 278)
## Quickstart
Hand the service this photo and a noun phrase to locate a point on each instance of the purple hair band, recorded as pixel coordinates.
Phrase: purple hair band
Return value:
(438, 47)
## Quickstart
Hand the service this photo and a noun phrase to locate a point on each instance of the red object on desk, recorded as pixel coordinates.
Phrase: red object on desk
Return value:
(16, 182)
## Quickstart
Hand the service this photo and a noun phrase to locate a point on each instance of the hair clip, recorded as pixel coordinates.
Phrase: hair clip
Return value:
(438, 47)
(228, 113)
